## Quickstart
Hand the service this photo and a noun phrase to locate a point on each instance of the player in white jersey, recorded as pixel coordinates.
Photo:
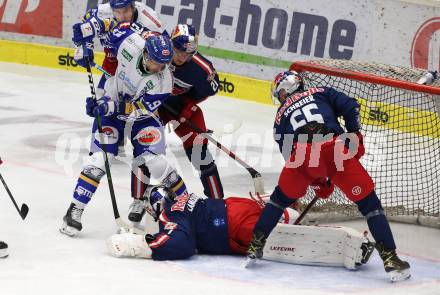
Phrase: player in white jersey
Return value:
(98, 22)
(129, 105)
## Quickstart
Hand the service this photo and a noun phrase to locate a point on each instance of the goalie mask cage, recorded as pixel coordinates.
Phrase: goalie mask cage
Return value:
(401, 129)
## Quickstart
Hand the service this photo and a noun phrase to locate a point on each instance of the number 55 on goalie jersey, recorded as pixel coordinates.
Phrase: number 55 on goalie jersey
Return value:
(316, 106)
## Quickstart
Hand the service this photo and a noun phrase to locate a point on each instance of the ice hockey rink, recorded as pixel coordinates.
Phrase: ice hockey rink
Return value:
(45, 133)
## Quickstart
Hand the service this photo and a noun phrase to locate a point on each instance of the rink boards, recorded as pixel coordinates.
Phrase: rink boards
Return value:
(388, 116)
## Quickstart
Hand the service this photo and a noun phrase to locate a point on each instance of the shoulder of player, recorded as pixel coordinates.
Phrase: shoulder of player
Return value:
(202, 65)
(148, 18)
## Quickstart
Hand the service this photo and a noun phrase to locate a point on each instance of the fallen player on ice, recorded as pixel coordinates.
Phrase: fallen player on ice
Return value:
(191, 225)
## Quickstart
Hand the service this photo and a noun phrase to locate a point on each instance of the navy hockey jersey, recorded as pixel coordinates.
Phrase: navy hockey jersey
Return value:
(196, 80)
(322, 105)
(191, 225)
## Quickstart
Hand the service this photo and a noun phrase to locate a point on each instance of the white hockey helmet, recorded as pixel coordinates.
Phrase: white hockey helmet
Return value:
(156, 196)
(286, 83)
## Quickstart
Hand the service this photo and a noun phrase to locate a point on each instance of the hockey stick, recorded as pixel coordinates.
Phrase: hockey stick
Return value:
(119, 222)
(23, 211)
(310, 205)
(256, 176)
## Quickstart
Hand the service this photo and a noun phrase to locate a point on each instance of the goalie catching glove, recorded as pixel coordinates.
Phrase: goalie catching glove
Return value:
(128, 244)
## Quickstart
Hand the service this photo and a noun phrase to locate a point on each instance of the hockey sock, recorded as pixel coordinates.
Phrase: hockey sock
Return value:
(371, 208)
(140, 179)
(85, 188)
(272, 212)
(174, 182)
(212, 185)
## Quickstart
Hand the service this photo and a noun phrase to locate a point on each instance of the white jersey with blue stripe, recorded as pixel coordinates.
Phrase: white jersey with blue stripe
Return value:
(144, 16)
(132, 87)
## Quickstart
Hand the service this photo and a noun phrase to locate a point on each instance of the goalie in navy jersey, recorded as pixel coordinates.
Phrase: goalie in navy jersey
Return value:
(190, 225)
(319, 151)
(195, 79)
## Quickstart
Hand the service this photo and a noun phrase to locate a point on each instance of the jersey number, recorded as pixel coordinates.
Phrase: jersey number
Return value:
(307, 114)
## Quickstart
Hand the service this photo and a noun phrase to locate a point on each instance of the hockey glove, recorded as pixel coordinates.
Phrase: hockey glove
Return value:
(360, 151)
(323, 188)
(188, 110)
(103, 106)
(85, 32)
(79, 56)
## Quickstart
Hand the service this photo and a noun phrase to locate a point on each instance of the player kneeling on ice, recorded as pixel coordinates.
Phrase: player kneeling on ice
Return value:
(129, 106)
(316, 147)
(190, 224)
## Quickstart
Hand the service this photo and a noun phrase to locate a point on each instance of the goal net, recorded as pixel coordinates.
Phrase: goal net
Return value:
(401, 128)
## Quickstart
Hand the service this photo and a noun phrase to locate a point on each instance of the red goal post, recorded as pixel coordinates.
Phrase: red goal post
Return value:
(401, 126)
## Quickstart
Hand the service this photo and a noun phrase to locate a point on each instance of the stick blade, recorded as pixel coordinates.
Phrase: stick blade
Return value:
(24, 211)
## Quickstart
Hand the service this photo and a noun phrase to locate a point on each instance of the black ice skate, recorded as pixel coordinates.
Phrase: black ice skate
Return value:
(72, 221)
(255, 250)
(3, 250)
(137, 210)
(397, 269)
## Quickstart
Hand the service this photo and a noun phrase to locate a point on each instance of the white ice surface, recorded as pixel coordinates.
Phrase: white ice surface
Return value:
(39, 108)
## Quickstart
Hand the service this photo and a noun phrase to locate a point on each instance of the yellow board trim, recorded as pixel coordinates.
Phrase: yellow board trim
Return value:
(405, 119)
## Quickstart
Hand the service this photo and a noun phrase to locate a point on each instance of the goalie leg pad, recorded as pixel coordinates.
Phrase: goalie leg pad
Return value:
(317, 245)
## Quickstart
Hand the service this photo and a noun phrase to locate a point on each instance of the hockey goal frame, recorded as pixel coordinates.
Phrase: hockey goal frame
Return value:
(313, 66)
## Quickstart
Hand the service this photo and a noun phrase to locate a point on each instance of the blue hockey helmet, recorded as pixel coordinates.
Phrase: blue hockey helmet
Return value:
(288, 81)
(116, 4)
(159, 48)
(184, 38)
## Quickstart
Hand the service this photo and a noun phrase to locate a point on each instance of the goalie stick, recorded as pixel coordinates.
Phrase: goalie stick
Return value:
(119, 222)
(256, 176)
(23, 211)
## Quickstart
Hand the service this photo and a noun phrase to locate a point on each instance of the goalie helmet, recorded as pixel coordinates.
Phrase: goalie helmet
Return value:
(185, 39)
(284, 84)
(116, 4)
(156, 197)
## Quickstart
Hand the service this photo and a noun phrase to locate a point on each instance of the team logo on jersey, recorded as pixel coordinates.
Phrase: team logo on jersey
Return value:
(356, 190)
(180, 203)
(149, 136)
(111, 135)
(126, 55)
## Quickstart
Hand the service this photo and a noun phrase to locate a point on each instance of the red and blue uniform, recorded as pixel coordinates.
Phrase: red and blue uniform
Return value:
(312, 112)
(191, 225)
(308, 132)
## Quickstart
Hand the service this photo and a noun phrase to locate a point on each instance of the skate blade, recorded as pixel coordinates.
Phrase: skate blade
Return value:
(68, 230)
(399, 275)
(250, 262)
